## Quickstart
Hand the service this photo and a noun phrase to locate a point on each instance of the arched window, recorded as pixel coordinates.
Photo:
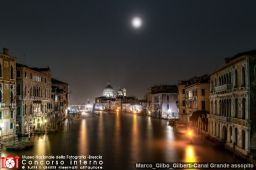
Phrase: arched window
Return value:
(229, 78)
(236, 78)
(220, 109)
(243, 108)
(215, 109)
(236, 107)
(11, 94)
(243, 139)
(230, 134)
(12, 72)
(236, 136)
(1, 73)
(243, 77)
(254, 71)
(1, 93)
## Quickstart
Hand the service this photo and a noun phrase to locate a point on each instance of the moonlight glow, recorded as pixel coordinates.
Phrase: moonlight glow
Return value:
(136, 22)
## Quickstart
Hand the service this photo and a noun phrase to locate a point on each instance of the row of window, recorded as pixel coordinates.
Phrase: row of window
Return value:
(194, 104)
(215, 131)
(11, 114)
(11, 71)
(33, 91)
(223, 108)
(11, 94)
(35, 108)
(194, 92)
(31, 76)
(227, 79)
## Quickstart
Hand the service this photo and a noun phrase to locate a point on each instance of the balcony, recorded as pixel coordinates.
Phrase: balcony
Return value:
(192, 98)
(222, 88)
(241, 122)
(2, 105)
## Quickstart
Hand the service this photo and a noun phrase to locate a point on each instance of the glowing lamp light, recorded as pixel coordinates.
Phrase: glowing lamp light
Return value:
(190, 133)
(170, 110)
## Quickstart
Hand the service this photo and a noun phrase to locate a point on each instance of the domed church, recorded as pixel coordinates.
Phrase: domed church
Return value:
(109, 92)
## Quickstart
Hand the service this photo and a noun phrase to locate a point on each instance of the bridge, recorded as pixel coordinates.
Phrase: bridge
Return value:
(80, 108)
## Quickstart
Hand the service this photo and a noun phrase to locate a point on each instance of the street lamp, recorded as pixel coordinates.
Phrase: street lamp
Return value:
(190, 134)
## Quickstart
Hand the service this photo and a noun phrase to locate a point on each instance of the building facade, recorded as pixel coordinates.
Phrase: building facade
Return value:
(162, 101)
(60, 102)
(197, 104)
(232, 103)
(7, 95)
(183, 116)
(110, 98)
(33, 98)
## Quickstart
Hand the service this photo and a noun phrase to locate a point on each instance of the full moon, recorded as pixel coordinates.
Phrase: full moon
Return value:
(136, 22)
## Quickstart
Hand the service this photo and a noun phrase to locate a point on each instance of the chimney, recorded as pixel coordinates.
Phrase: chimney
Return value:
(5, 51)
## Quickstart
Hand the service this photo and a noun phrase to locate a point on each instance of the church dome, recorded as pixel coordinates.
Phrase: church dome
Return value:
(109, 91)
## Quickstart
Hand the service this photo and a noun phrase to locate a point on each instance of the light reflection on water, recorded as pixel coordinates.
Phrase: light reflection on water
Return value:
(83, 137)
(100, 132)
(190, 155)
(43, 145)
(123, 139)
(135, 138)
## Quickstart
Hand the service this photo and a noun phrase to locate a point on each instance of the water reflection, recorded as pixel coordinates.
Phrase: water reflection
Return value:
(101, 131)
(190, 155)
(170, 144)
(149, 128)
(83, 144)
(42, 145)
(135, 138)
(169, 133)
(123, 140)
(117, 136)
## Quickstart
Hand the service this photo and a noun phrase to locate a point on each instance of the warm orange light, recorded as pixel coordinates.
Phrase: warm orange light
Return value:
(190, 155)
(190, 133)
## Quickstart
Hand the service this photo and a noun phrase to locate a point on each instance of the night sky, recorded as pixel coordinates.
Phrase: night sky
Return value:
(91, 43)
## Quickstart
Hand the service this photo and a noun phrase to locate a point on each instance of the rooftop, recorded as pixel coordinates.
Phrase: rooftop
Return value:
(231, 60)
(33, 68)
(251, 53)
(55, 81)
(197, 79)
(163, 89)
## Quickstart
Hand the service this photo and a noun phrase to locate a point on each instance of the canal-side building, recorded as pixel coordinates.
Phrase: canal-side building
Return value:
(197, 104)
(194, 102)
(33, 98)
(233, 99)
(183, 116)
(162, 101)
(60, 102)
(110, 98)
(7, 95)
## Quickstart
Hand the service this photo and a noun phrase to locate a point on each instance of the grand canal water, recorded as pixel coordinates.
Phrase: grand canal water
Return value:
(125, 139)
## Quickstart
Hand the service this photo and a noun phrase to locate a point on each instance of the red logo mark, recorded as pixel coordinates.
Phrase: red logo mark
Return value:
(10, 162)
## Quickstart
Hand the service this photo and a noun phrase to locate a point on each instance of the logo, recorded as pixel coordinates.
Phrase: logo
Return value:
(10, 162)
